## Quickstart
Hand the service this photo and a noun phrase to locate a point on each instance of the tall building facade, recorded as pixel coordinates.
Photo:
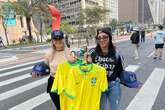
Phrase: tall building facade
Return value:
(142, 11)
(112, 7)
(71, 9)
(128, 10)
(158, 10)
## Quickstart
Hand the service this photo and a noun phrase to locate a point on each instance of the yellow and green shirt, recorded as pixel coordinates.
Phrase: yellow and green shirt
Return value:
(85, 87)
(60, 82)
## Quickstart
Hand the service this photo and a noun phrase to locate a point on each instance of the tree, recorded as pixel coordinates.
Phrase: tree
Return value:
(94, 15)
(67, 28)
(26, 8)
(5, 15)
(91, 17)
(113, 24)
(31, 8)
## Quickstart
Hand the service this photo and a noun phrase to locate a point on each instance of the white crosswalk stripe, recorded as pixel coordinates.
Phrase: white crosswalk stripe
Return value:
(20, 65)
(22, 89)
(12, 80)
(8, 59)
(32, 103)
(145, 98)
(15, 71)
(132, 68)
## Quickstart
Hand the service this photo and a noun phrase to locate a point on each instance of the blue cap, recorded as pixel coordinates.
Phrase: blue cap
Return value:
(129, 79)
(41, 68)
(57, 34)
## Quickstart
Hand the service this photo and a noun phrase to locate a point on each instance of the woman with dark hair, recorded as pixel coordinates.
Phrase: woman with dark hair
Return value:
(105, 54)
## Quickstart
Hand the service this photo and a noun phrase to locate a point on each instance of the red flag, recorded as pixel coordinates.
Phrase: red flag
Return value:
(56, 17)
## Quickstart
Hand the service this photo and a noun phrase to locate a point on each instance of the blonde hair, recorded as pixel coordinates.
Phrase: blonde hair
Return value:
(53, 51)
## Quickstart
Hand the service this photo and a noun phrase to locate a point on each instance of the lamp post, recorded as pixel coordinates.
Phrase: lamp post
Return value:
(142, 12)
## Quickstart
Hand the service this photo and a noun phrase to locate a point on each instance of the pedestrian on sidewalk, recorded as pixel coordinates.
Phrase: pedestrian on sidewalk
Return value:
(135, 38)
(56, 55)
(1, 42)
(159, 38)
(105, 54)
(142, 33)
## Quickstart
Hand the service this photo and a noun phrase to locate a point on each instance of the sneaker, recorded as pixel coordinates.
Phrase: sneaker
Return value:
(154, 57)
(160, 58)
(136, 58)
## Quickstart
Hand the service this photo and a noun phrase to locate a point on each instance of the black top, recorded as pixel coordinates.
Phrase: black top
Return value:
(112, 63)
(135, 37)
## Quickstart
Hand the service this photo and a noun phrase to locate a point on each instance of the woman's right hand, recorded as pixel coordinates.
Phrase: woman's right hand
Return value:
(34, 75)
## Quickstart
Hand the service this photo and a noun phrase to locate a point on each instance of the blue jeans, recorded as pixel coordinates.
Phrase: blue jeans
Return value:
(111, 97)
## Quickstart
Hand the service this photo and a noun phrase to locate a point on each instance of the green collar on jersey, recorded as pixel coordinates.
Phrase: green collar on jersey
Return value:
(85, 67)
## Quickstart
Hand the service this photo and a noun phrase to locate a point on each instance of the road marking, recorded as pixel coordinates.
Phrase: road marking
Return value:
(16, 66)
(146, 96)
(151, 54)
(15, 71)
(8, 59)
(29, 47)
(32, 103)
(132, 68)
(22, 89)
(12, 80)
(4, 50)
(43, 51)
(121, 40)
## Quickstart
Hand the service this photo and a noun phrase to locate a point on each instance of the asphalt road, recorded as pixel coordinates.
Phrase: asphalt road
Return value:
(18, 91)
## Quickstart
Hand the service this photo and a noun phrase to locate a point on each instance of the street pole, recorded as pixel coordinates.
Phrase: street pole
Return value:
(142, 12)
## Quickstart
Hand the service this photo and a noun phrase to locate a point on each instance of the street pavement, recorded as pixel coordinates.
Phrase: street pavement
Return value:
(18, 91)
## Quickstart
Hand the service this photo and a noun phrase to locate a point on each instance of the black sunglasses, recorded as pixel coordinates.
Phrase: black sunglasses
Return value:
(104, 38)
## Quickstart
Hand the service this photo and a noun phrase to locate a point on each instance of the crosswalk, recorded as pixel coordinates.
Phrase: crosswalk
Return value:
(148, 92)
(150, 89)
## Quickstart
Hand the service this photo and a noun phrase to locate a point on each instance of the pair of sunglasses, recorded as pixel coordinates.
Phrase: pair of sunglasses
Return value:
(104, 38)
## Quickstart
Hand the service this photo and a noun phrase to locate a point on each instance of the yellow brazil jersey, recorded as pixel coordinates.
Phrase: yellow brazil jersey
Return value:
(84, 86)
(60, 82)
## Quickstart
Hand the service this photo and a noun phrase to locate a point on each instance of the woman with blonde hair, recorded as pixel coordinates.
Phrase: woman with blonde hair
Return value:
(56, 55)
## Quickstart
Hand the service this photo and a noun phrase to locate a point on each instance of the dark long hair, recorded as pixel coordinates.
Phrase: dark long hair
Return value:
(111, 47)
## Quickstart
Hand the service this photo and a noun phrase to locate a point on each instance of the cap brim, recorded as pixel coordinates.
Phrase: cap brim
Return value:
(136, 84)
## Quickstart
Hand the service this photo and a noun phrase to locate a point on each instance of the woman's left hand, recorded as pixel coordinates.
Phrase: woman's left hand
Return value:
(72, 57)
(87, 58)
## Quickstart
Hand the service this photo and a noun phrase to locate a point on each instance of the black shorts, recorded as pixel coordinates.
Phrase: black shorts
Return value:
(159, 46)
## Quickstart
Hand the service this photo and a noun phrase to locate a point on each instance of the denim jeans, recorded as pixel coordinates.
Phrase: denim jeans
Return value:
(111, 97)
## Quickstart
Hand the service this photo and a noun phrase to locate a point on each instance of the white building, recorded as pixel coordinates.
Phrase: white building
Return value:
(112, 6)
(157, 8)
(71, 9)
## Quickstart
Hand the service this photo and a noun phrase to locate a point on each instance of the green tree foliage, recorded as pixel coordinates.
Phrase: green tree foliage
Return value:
(24, 8)
(5, 11)
(67, 28)
(28, 8)
(113, 24)
(91, 17)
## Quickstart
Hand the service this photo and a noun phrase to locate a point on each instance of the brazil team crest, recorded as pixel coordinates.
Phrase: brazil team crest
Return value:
(93, 80)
